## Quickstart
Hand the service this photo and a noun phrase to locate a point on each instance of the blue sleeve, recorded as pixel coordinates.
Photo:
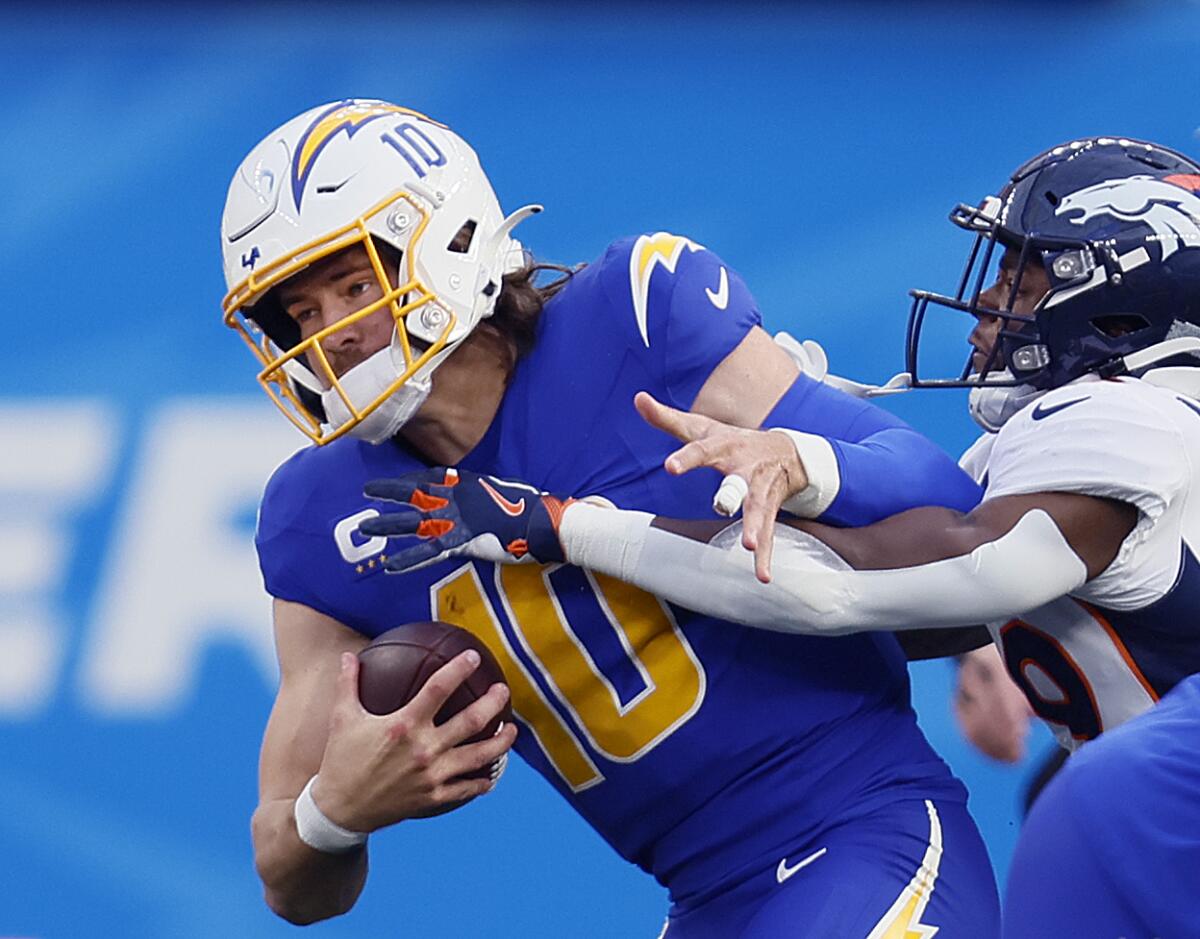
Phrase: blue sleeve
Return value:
(885, 466)
(285, 543)
(686, 309)
(298, 551)
(700, 334)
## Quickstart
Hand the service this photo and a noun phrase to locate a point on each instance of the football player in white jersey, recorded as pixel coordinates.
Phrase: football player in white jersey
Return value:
(1081, 558)
(1082, 371)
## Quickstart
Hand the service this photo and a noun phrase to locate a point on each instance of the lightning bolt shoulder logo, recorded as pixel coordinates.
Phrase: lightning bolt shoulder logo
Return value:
(350, 116)
(650, 251)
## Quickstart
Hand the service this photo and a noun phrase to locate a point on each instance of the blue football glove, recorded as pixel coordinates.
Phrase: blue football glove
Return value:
(451, 512)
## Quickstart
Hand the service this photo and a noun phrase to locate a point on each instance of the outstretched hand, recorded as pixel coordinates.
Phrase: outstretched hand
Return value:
(449, 512)
(762, 469)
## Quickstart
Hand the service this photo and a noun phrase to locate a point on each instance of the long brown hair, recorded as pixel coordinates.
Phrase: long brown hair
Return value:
(521, 301)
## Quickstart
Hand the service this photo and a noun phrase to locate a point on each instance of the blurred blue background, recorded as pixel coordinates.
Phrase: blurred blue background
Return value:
(817, 148)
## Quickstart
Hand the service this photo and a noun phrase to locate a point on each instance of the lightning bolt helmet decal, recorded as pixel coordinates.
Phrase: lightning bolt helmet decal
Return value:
(398, 196)
(349, 115)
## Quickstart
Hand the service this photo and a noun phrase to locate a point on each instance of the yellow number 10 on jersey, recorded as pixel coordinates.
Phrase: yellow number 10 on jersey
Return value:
(673, 677)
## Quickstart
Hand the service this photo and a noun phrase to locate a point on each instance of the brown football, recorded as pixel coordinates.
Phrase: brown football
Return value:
(398, 662)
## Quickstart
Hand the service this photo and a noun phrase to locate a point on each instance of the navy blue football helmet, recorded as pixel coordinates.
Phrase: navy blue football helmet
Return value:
(1115, 225)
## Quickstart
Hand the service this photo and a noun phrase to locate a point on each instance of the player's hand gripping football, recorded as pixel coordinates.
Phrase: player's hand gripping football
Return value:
(762, 470)
(449, 512)
(380, 769)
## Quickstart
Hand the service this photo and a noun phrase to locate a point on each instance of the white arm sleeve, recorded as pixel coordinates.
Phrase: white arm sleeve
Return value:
(812, 589)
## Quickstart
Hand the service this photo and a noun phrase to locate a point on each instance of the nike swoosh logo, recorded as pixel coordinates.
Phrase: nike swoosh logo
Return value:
(1190, 404)
(333, 187)
(1041, 412)
(720, 299)
(508, 508)
(783, 872)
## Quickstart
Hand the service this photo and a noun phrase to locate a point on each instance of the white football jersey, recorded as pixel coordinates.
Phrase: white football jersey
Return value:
(1096, 658)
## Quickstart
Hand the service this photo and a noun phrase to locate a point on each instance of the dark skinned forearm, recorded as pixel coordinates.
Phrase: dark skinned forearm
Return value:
(918, 536)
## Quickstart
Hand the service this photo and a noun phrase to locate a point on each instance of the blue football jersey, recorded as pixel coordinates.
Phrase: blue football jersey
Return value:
(699, 749)
(1112, 846)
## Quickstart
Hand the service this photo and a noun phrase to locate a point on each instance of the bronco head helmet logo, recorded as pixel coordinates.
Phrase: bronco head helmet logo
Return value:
(1114, 223)
(1171, 212)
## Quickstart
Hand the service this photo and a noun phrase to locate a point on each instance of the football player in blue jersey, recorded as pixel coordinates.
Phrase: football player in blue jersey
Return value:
(1111, 848)
(1081, 556)
(777, 785)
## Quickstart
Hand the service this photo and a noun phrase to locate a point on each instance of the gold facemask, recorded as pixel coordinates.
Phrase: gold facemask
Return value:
(284, 369)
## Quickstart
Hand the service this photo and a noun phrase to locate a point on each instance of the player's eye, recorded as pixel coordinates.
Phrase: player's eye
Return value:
(360, 287)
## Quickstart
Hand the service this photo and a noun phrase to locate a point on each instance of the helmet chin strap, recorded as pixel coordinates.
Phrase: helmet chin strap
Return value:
(991, 406)
(363, 384)
(371, 378)
(366, 382)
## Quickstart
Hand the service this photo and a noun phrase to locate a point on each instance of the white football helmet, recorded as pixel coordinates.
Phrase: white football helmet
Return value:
(363, 172)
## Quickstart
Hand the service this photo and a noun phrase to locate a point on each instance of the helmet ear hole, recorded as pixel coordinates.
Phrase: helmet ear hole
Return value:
(1120, 324)
(461, 242)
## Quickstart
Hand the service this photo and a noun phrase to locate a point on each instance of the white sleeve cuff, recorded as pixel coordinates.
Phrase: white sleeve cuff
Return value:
(606, 540)
(821, 466)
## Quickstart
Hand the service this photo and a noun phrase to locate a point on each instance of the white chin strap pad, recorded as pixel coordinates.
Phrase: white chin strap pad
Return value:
(366, 382)
(992, 405)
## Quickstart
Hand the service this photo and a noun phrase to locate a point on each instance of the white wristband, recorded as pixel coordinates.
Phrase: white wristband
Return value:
(317, 831)
(821, 466)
